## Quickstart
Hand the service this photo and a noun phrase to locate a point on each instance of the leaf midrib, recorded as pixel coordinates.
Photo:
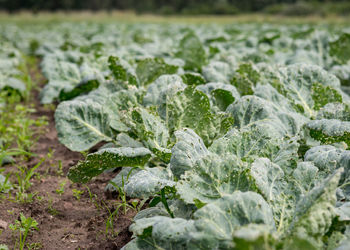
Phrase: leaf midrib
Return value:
(92, 128)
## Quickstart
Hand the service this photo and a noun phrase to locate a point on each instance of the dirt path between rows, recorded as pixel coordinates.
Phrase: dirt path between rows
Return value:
(65, 222)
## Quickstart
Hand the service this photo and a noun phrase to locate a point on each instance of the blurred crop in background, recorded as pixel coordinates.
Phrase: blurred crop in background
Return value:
(187, 7)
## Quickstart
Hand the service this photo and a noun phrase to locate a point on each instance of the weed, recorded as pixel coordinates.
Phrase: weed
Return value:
(119, 205)
(22, 227)
(5, 185)
(11, 212)
(6, 155)
(138, 204)
(60, 190)
(122, 195)
(162, 197)
(16, 126)
(77, 193)
(93, 198)
(60, 168)
(35, 246)
(50, 207)
(110, 221)
(39, 198)
(49, 154)
(23, 177)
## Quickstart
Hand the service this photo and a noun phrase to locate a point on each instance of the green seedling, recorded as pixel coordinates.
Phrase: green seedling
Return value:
(49, 155)
(138, 204)
(35, 246)
(110, 230)
(110, 221)
(134, 203)
(77, 193)
(22, 227)
(119, 205)
(23, 177)
(50, 207)
(11, 212)
(5, 185)
(60, 190)
(60, 168)
(93, 198)
(162, 197)
(39, 198)
(6, 156)
(122, 196)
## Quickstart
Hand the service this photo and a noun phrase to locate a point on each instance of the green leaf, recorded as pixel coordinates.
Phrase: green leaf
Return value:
(188, 149)
(119, 102)
(151, 130)
(191, 109)
(121, 71)
(299, 242)
(193, 78)
(326, 158)
(252, 143)
(220, 94)
(51, 91)
(12, 83)
(329, 131)
(340, 48)
(212, 228)
(252, 111)
(269, 178)
(344, 245)
(270, 181)
(329, 158)
(161, 232)
(308, 87)
(192, 52)
(156, 89)
(217, 71)
(96, 163)
(3, 247)
(232, 211)
(322, 95)
(223, 98)
(315, 211)
(254, 236)
(245, 79)
(156, 200)
(121, 178)
(213, 177)
(217, 222)
(123, 140)
(61, 74)
(343, 212)
(339, 111)
(150, 69)
(280, 104)
(81, 88)
(148, 182)
(178, 208)
(82, 124)
(62, 71)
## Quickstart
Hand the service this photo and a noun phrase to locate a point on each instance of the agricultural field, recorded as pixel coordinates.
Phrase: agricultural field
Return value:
(174, 136)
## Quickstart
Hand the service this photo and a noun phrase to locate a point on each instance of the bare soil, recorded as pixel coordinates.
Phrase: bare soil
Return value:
(65, 222)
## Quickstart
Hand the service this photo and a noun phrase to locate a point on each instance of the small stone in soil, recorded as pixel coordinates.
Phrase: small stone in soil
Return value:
(3, 224)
